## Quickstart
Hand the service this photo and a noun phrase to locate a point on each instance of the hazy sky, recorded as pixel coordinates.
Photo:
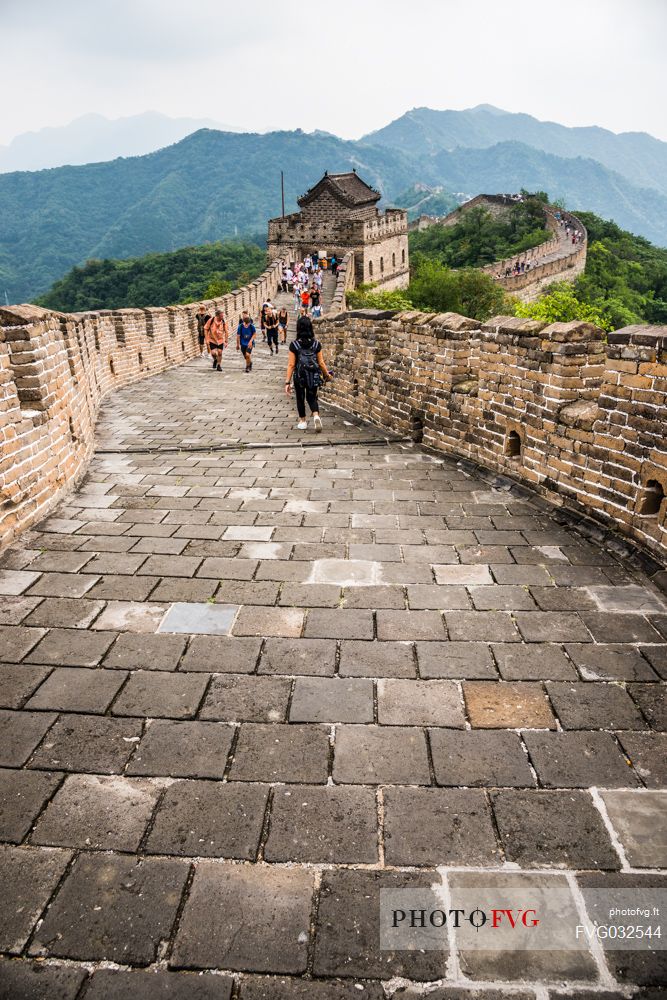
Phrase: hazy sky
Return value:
(345, 66)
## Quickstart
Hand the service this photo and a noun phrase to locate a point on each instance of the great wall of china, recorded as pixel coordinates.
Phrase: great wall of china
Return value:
(557, 259)
(573, 413)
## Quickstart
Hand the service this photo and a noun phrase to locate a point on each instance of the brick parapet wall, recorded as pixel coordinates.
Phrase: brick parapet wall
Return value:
(587, 416)
(55, 369)
(345, 281)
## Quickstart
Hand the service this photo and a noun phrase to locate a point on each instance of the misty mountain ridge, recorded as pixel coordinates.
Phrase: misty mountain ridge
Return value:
(215, 185)
(638, 156)
(92, 138)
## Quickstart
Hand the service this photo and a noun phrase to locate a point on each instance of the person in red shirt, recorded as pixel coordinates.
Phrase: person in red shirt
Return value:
(217, 337)
(305, 299)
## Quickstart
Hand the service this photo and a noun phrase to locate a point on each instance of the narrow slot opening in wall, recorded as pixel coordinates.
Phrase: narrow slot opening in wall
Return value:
(513, 445)
(140, 359)
(355, 387)
(164, 351)
(651, 499)
(417, 427)
(112, 367)
(183, 346)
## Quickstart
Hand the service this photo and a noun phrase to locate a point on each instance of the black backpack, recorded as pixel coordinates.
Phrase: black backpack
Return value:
(308, 374)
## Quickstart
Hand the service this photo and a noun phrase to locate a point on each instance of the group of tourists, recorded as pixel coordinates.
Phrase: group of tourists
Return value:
(306, 368)
(518, 267)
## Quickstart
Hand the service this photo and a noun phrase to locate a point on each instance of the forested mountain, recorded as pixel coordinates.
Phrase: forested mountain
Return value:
(637, 156)
(157, 279)
(216, 185)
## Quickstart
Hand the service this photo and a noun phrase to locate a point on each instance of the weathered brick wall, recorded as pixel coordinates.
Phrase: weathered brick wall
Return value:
(580, 417)
(55, 368)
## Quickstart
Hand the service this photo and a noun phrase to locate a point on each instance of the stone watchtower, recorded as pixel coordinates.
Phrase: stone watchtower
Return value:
(338, 215)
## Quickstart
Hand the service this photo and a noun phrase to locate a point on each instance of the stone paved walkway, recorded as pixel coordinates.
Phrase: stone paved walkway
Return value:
(247, 684)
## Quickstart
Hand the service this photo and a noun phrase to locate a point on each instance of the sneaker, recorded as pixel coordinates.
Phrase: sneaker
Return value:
(318, 423)
(219, 368)
(302, 425)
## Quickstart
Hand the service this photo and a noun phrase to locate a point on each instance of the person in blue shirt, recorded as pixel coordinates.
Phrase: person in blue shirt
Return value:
(245, 339)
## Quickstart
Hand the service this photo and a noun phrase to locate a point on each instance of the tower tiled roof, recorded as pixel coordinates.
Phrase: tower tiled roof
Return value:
(348, 188)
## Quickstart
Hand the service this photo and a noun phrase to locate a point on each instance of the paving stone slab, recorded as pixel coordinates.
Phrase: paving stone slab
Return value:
(244, 918)
(239, 698)
(552, 829)
(614, 627)
(77, 689)
(481, 758)
(60, 562)
(131, 616)
(289, 753)
(113, 908)
(70, 585)
(455, 660)
(640, 821)
(220, 654)
(645, 967)
(420, 703)
(562, 598)
(319, 824)
(489, 626)
(376, 755)
(520, 662)
(145, 652)
(347, 942)
(220, 568)
(203, 619)
(507, 705)
(23, 795)
(115, 587)
(20, 733)
(209, 819)
(313, 657)
(548, 894)
(22, 980)
(652, 700)
(377, 659)
(157, 694)
(648, 753)
(15, 582)
(438, 826)
(16, 641)
(180, 589)
(323, 623)
(120, 984)
(106, 813)
(28, 876)
(72, 648)
(332, 699)
(183, 750)
(18, 681)
(278, 622)
(274, 988)
(594, 706)
(374, 597)
(95, 744)
(13, 610)
(408, 625)
(610, 663)
(578, 760)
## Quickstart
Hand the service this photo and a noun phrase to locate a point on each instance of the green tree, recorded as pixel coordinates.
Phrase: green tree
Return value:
(560, 305)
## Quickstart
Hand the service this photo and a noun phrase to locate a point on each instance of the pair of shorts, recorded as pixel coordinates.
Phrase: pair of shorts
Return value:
(246, 348)
(272, 336)
(216, 347)
(201, 338)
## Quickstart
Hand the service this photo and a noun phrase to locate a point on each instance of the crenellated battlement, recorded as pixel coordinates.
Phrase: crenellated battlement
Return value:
(55, 370)
(576, 414)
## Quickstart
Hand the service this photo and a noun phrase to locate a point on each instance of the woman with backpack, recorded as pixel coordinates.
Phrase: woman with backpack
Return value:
(307, 369)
